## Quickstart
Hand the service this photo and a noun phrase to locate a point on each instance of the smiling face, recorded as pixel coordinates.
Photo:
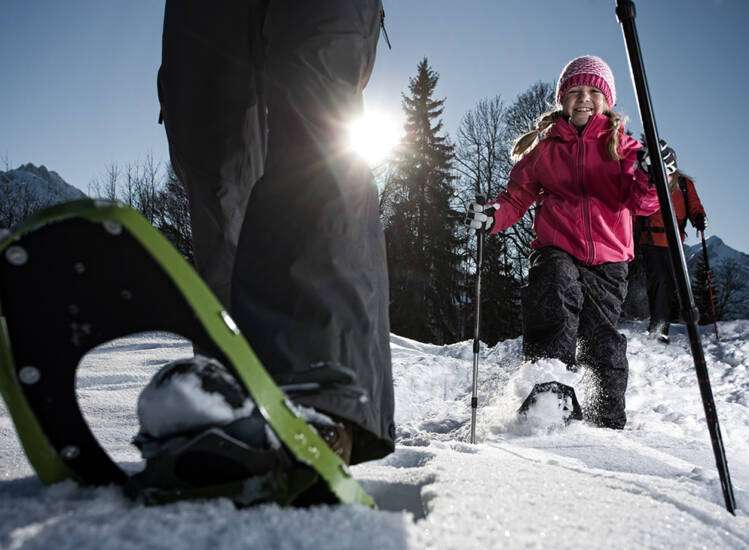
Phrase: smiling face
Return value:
(582, 102)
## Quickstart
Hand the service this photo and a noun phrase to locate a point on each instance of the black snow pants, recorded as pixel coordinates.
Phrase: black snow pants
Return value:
(566, 303)
(256, 96)
(661, 287)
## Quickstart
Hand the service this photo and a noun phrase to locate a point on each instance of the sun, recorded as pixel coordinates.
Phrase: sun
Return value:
(374, 135)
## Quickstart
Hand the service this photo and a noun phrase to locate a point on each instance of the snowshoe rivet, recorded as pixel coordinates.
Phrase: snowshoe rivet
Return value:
(300, 437)
(70, 452)
(29, 375)
(314, 451)
(113, 228)
(126, 295)
(73, 309)
(17, 256)
(229, 322)
(79, 268)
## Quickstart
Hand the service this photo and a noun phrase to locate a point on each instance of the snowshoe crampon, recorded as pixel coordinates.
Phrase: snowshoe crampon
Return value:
(554, 399)
(81, 274)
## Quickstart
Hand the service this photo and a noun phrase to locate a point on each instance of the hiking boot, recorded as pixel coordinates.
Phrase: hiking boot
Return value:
(338, 436)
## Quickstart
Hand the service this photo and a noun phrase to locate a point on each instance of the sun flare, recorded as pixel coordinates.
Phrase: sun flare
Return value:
(374, 135)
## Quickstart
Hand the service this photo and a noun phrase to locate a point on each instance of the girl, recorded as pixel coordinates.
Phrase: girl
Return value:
(579, 167)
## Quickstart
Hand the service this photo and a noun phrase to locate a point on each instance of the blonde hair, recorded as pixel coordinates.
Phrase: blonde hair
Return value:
(529, 140)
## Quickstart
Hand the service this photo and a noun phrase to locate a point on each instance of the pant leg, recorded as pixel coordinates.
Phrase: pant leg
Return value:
(602, 347)
(551, 306)
(310, 287)
(661, 286)
(212, 107)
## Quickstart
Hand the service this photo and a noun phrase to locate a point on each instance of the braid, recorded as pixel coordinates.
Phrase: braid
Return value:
(617, 127)
(527, 141)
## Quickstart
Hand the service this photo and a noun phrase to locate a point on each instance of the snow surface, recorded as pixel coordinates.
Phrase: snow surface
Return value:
(525, 485)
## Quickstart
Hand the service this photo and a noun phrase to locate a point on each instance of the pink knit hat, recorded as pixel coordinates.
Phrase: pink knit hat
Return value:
(587, 70)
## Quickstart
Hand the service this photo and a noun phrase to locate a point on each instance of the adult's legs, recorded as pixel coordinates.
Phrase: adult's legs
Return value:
(551, 306)
(310, 287)
(660, 287)
(602, 347)
(212, 107)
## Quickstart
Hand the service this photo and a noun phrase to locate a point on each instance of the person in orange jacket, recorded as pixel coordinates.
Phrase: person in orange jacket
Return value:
(654, 245)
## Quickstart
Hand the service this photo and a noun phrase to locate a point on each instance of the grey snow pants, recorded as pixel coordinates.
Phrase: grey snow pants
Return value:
(567, 303)
(255, 96)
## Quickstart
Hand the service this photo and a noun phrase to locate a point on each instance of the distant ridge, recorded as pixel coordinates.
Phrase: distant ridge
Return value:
(29, 188)
(45, 186)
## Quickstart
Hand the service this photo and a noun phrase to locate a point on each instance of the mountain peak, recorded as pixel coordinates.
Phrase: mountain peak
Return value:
(714, 240)
(30, 187)
(42, 172)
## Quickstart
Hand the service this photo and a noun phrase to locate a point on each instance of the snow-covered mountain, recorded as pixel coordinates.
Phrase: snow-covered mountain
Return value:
(719, 254)
(524, 485)
(29, 188)
(45, 186)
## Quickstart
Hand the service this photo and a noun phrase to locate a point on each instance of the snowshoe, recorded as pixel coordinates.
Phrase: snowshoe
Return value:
(61, 277)
(552, 398)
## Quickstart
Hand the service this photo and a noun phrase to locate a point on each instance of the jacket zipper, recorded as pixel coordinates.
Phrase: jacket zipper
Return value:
(586, 201)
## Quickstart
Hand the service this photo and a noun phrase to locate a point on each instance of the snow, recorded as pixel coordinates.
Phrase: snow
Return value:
(46, 187)
(181, 404)
(525, 485)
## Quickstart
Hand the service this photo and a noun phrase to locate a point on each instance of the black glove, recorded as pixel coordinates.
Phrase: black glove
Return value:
(480, 216)
(669, 157)
(699, 222)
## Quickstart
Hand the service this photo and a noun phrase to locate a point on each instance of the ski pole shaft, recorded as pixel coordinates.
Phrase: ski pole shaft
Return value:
(625, 11)
(710, 293)
(480, 199)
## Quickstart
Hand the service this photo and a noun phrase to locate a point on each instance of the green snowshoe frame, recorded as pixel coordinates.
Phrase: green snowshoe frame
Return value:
(85, 273)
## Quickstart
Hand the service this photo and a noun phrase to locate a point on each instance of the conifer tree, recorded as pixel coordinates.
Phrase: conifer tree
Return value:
(420, 226)
(483, 163)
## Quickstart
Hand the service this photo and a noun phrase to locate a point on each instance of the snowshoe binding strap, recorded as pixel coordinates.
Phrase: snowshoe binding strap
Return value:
(215, 464)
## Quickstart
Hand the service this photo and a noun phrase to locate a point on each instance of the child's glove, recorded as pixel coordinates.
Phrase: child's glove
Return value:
(480, 216)
(699, 222)
(669, 157)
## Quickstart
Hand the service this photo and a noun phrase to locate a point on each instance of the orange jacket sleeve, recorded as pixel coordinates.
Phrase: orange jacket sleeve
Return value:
(694, 203)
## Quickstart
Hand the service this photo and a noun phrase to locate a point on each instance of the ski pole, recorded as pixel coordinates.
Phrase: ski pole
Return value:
(710, 292)
(480, 199)
(625, 11)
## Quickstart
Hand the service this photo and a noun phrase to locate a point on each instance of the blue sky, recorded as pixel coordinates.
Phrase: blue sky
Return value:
(78, 87)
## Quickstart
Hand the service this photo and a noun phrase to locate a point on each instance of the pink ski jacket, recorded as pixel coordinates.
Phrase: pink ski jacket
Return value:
(586, 201)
